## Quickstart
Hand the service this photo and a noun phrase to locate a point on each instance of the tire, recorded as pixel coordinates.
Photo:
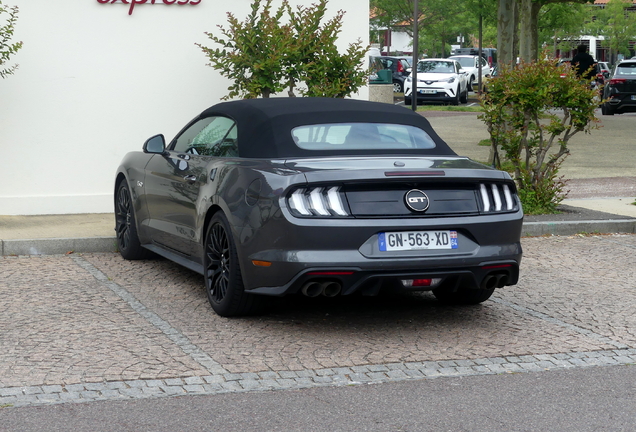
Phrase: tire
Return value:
(470, 84)
(463, 296)
(222, 272)
(463, 98)
(397, 87)
(407, 101)
(455, 100)
(125, 225)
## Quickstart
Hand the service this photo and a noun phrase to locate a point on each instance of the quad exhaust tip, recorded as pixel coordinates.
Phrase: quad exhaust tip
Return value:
(497, 280)
(315, 288)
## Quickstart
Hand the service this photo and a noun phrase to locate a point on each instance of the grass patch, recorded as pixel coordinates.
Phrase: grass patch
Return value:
(484, 143)
(475, 108)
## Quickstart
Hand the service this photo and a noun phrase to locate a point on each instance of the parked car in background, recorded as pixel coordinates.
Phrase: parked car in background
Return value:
(399, 69)
(318, 196)
(490, 54)
(620, 90)
(494, 73)
(470, 63)
(438, 80)
(605, 69)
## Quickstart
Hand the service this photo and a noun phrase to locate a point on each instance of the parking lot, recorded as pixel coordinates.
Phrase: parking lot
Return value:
(93, 327)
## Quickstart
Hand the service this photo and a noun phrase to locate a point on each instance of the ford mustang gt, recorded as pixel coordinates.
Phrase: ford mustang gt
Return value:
(317, 196)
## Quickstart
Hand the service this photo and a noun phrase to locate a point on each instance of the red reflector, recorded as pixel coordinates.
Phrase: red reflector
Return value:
(618, 81)
(400, 68)
(496, 266)
(422, 282)
(330, 273)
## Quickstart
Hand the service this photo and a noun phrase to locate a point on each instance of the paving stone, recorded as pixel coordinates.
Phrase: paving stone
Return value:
(11, 391)
(194, 388)
(193, 380)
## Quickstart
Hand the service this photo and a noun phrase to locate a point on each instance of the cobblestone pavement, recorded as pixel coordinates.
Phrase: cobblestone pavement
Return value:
(77, 328)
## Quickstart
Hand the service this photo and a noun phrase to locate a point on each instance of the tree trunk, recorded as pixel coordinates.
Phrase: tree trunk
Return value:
(506, 33)
(528, 30)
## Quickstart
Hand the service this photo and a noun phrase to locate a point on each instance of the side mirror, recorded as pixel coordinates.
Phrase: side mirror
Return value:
(155, 145)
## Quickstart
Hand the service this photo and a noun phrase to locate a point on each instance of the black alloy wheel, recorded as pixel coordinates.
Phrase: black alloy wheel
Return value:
(125, 227)
(222, 272)
(463, 296)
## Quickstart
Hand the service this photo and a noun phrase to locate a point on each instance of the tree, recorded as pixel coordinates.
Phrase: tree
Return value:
(263, 56)
(7, 49)
(518, 30)
(617, 25)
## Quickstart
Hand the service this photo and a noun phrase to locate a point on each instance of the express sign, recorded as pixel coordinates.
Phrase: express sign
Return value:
(132, 3)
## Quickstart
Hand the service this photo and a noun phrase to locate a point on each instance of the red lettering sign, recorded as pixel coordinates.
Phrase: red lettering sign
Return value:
(132, 3)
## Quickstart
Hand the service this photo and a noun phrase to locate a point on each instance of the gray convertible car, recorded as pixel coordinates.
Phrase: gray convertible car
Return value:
(270, 197)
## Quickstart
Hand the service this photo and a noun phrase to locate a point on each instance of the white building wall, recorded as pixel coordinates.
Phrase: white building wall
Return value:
(400, 42)
(94, 82)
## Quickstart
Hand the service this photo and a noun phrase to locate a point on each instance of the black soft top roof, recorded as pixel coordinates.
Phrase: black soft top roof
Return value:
(264, 125)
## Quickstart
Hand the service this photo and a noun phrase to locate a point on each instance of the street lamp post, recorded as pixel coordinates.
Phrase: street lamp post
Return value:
(414, 62)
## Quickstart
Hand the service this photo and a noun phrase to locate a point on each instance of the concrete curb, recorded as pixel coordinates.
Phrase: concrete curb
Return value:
(531, 229)
(53, 246)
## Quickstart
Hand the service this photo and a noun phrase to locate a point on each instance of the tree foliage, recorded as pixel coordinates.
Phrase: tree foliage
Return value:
(264, 56)
(531, 113)
(518, 28)
(617, 25)
(8, 49)
(440, 22)
(560, 23)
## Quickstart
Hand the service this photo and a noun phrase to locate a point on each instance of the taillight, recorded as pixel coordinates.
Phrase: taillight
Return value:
(317, 202)
(400, 68)
(615, 81)
(497, 198)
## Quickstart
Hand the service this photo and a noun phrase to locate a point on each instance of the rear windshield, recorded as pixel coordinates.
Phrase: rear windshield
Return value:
(626, 69)
(355, 136)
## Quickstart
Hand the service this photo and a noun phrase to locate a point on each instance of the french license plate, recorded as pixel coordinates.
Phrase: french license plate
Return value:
(428, 91)
(417, 240)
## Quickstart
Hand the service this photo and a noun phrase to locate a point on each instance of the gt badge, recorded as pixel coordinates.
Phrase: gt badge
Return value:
(416, 200)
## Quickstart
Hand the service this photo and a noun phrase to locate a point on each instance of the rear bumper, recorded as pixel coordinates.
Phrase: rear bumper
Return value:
(348, 280)
(623, 102)
(350, 257)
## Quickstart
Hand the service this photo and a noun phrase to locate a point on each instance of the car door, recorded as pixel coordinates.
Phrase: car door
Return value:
(173, 181)
(462, 76)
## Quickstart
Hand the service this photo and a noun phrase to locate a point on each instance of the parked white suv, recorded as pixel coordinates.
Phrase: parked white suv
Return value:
(470, 63)
(438, 80)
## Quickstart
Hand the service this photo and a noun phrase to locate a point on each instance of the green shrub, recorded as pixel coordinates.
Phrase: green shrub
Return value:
(532, 111)
(293, 49)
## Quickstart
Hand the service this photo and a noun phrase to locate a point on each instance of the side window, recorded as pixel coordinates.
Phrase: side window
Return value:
(211, 136)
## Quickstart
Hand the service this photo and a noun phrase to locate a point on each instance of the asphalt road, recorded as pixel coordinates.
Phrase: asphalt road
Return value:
(590, 399)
